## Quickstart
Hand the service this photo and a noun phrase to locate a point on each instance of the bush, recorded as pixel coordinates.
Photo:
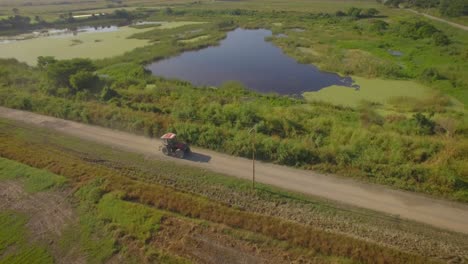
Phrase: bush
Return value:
(440, 39)
(424, 125)
(84, 80)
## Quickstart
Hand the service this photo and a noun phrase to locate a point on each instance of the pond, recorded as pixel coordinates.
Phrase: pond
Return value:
(82, 42)
(52, 32)
(246, 57)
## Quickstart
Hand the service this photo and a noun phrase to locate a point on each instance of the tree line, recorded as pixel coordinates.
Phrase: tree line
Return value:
(451, 8)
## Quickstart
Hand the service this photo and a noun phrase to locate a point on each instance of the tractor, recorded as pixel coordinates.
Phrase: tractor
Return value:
(172, 147)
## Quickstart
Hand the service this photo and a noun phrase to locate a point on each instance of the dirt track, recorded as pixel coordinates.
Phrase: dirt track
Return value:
(439, 213)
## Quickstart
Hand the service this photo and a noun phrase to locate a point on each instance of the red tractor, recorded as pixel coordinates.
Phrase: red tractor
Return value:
(172, 147)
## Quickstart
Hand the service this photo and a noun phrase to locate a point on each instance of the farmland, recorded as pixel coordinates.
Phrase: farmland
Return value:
(135, 206)
(401, 123)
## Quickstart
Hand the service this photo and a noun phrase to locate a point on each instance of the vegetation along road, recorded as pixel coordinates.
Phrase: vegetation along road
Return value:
(440, 20)
(442, 214)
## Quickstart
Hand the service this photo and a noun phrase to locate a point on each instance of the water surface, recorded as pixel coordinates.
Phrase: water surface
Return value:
(58, 33)
(245, 56)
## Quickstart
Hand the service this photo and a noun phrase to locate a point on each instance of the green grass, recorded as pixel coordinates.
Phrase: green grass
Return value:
(34, 180)
(374, 90)
(90, 232)
(176, 24)
(92, 45)
(11, 229)
(136, 219)
(13, 234)
(193, 39)
(31, 255)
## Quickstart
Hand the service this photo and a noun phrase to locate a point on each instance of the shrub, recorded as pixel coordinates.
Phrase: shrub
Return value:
(440, 39)
(425, 126)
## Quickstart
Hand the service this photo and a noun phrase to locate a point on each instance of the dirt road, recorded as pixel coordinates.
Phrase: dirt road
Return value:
(439, 213)
(440, 20)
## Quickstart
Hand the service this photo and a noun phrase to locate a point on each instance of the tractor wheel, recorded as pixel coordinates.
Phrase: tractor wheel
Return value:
(165, 151)
(179, 153)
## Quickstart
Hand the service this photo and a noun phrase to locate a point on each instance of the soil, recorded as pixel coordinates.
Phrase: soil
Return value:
(49, 214)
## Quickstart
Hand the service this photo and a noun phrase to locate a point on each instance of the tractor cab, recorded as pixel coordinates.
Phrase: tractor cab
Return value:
(169, 139)
(172, 147)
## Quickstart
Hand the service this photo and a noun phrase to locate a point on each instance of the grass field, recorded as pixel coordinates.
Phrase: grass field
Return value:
(326, 6)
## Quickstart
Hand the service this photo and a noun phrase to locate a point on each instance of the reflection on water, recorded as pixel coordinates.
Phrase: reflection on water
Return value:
(245, 56)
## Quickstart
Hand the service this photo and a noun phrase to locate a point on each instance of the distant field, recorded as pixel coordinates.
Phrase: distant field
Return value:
(295, 5)
(86, 45)
(374, 90)
(50, 6)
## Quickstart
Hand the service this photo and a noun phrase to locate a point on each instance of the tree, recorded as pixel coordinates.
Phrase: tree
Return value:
(354, 12)
(108, 93)
(59, 72)
(430, 75)
(379, 26)
(393, 3)
(440, 39)
(453, 8)
(169, 11)
(340, 13)
(83, 80)
(424, 124)
(44, 61)
(122, 13)
(371, 12)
